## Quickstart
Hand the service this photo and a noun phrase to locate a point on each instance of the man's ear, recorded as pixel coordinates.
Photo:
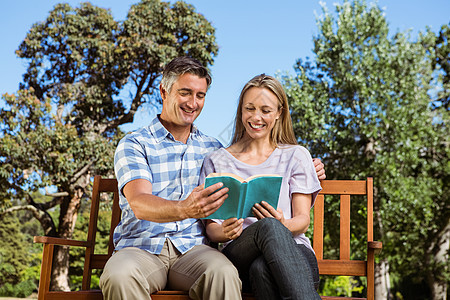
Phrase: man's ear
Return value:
(163, 92)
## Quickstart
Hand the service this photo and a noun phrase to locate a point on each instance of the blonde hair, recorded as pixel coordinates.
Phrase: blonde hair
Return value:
(282, 132)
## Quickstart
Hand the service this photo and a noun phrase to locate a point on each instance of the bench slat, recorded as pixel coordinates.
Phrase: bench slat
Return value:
(342, 187)
(344, 268)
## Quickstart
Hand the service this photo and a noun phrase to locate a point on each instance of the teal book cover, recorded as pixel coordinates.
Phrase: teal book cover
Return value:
(244, 193)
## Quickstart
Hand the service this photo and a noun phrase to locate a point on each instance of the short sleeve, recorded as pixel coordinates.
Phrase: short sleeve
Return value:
(130, 162)
(303, 177)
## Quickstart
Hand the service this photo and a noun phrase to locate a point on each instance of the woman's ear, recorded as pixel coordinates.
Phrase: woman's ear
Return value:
(280, 110)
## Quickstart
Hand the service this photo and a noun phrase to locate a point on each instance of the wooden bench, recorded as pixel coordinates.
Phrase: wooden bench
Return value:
(341, 266)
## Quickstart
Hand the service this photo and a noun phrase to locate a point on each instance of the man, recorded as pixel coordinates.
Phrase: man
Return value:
(159, 242)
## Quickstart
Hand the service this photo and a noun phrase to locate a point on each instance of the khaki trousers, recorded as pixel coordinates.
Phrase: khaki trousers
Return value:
(205, 272)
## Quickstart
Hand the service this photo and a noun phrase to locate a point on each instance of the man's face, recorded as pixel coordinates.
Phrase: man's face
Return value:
(185, 101)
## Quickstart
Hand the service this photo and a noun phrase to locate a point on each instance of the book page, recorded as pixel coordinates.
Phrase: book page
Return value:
(262, 175)
(227, 175)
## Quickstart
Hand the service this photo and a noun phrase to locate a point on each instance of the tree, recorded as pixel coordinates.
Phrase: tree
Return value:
(62, 127)
(363, 105)
(441, 63)
(437, 156)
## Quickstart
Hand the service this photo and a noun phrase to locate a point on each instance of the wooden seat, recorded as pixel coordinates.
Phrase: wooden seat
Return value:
(341, 266)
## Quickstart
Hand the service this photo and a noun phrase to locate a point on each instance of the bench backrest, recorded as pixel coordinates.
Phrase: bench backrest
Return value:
(97, 261)
(345, 189)
(342, 266)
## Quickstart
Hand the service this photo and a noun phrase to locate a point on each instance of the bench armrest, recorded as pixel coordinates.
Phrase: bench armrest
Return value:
(375, 246)
(60, 241)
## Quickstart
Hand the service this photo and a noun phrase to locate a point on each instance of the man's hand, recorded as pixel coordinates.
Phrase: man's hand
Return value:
(318, 165)
(232, 228)
(203, 202)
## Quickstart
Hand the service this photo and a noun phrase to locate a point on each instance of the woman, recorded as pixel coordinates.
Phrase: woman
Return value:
(271, 252)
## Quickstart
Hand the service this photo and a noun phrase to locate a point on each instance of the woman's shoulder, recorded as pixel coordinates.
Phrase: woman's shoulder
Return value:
(215, 154)
(295, 153)
(293, 149)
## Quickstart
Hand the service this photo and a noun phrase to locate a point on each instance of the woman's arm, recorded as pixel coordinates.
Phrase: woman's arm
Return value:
(229, 230)
(301, 205)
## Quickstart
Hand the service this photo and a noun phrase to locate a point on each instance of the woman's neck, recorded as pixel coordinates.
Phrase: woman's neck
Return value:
(252, 151)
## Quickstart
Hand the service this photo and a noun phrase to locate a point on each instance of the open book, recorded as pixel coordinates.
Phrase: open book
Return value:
(244, 193)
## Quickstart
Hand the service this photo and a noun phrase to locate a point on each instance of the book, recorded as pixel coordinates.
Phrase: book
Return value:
(244, 193)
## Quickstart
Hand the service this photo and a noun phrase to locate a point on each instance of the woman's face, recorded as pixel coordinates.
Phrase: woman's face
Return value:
(259, 112)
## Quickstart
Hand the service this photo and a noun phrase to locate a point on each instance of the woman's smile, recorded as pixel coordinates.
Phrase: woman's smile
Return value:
(256, 126)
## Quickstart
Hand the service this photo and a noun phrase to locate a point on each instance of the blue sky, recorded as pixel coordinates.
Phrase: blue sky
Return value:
(254, 36)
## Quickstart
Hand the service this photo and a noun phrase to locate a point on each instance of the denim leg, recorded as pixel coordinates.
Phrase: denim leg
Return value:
(312, 261)
(262, 281)
(272, 240)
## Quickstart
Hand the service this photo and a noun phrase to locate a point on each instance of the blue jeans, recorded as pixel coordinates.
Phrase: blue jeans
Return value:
(272, 264)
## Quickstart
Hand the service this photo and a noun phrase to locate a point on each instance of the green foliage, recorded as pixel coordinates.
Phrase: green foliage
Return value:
(364, 105)
(341, 286)
(441, 63)
(38, 151)
(19, 260)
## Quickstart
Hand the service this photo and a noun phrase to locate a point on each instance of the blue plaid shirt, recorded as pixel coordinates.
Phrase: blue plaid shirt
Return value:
(173, 168)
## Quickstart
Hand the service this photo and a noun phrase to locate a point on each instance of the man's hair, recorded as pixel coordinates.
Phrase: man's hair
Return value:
(182, 65)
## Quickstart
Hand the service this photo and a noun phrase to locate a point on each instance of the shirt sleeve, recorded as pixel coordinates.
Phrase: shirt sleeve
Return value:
(130, 162)
(304, 178)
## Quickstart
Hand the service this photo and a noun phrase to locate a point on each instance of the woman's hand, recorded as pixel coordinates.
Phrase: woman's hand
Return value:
(232, 228)
(320, 168)
(265, 210)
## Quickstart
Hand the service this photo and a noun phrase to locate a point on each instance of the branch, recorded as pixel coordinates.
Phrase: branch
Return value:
(59, 113)
(149, 86)
(54, 195)
(42, 216)
(137, 101)
(19, 208)
(58, 199)
(78, 174)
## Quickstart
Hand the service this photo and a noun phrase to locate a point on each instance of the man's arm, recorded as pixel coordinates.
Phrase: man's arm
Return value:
(200, 203)
(320, 170)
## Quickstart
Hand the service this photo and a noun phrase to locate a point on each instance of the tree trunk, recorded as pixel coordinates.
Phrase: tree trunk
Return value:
(382, 280)
(60, 270)
(67, 220)
(436, 278)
